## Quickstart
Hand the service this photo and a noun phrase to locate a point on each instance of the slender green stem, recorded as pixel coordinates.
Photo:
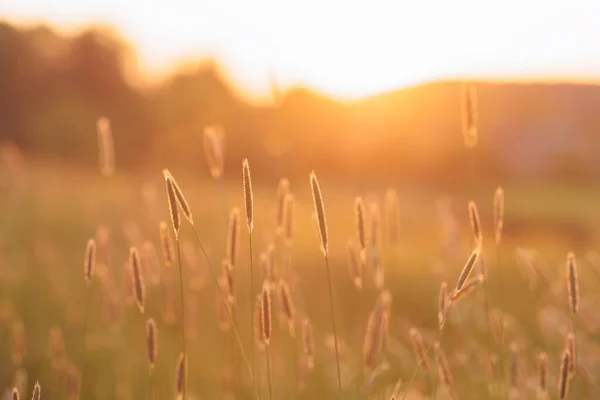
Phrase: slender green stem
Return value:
(85, 328)
(224, 299)
(184, 389)
(251, 303)
(335, 337)
(438, 334)
(269, 372)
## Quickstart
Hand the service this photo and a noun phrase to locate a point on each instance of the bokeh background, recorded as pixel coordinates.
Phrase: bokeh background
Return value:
(369, 97)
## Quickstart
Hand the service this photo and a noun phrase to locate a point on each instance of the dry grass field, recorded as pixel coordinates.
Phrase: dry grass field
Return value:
(50, 212)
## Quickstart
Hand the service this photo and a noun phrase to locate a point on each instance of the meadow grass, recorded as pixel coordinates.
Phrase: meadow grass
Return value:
(47, 224)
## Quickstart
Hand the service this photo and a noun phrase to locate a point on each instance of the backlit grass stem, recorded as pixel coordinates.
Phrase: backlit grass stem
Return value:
(224, 300)
(248, 201)
(322, 224)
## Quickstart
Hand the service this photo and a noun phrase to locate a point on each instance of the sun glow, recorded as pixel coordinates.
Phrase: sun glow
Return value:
(346, 49)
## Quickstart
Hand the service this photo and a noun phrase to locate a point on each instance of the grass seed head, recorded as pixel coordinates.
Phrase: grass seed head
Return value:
(247, 180)
(467, 269)
(572, 283)
(185, 207)
(233, 237)
(139, 289)
(355, 265)
(308, 343)
(214, 150)
(469, 114)
(475, 224)
(320, 211)
(283, 190)
(173, 210)
(89, 264)
(359, 212)
(151, 342)
(37, 392)
(419, 348)
(287, 305)
(443, 302)
(498, 214)
(563, 376)
(543, 382)
(166, 244)
(265, 315)
(106, 147)
(181, 375)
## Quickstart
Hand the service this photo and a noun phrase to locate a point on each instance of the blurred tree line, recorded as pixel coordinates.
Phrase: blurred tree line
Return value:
(53, 88)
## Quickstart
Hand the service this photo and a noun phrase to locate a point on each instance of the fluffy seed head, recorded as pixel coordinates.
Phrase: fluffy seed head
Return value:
(287, 305)
(151, 342)
(419, 348)
(308, 343)
(181, 375)
(498, 213)
(37, 392)
(570, 347)
(467, 269)
(89, 264)
(185, 207)
(166, 244)
(469, 114)
(248, 194)
(572, 283)
(443, 366)
(443, 302)
(282, 191)
(475, 224)
(173, 210)
(265, 315)
(213, 150)
(354, 264)
(468, 288)
(543, 383)
(106, 147)
(320, 211)
(137, 278)
(228, 288)
(233, 237)
(359, 212)
(563, 376)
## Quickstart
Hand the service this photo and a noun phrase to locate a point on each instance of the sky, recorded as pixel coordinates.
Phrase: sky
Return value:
(347, 49)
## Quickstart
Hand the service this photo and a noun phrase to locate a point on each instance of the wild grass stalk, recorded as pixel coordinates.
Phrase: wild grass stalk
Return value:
(89, 267)
(249, 205)
(322, 225)
(573, 298)
(224, 299)
(460, 284)
(152, 349)
(266, 325)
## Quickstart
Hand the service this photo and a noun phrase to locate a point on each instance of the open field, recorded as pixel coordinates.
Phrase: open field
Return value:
(50, 212)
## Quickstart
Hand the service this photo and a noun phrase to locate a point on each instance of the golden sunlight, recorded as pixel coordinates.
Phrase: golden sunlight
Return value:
(342, 48)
